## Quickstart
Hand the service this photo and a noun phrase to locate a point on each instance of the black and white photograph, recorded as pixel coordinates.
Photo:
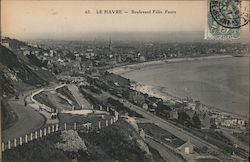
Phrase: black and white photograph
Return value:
(124, 81)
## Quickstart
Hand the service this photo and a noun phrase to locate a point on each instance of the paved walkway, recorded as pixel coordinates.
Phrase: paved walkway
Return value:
(28, 119)
(46, 114)
(78, 96)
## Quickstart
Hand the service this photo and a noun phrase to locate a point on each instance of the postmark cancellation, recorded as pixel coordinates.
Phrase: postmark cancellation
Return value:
(225, 18)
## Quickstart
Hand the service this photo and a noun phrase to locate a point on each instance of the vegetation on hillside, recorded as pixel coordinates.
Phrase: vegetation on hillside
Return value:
(37, 150)
(66, 92)
(120, 141)
(8, 116)
(116, 142)
(118, 106)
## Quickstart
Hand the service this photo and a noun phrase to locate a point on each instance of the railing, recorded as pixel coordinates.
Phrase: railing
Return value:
(60, 86)
(42, 106)
(53, 129)
(58, 127)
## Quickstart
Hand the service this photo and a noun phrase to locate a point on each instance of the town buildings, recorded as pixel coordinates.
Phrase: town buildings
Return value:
(187, 148)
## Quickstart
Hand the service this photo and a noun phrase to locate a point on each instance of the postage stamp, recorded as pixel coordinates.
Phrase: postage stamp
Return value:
(225, 19)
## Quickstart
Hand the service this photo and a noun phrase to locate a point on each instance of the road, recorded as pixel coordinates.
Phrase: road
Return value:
(178, 132)
(235, 140)
(28, 119)
(165, 153)
(78, 96)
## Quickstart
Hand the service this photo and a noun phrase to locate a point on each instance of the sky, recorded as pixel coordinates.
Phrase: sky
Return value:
(26, 19)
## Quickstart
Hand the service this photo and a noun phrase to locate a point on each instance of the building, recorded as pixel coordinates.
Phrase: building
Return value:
(142, 133)
(233, 122)
(87, 125)
(173, 114)
(191, 106)
(5, 44)
(241, 122)
(145, 106)
(89, 53)
(51, 53)
(198, 105)
(187, 148)
(205, 121)
(142, 58)
(26, 52)
(119, 59)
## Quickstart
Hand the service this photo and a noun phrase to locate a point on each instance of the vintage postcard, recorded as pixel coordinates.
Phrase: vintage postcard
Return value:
(124, 81)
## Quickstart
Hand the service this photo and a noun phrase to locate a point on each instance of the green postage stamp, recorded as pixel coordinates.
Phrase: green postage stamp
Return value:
(225, 18)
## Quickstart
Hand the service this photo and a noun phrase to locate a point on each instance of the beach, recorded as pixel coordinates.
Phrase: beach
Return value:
(219, 82)
(120, 70)
(152, 91)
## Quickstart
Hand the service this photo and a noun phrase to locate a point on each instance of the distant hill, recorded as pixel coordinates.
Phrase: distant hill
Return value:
(18, 69)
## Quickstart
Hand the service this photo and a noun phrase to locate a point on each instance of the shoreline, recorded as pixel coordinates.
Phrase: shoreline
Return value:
(120, 70)
(157, 91)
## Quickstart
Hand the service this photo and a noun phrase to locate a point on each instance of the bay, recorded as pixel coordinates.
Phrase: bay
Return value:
(222, 83)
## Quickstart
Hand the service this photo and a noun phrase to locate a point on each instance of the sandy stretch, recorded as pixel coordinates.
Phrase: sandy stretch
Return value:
(152, 91)
(128, 68)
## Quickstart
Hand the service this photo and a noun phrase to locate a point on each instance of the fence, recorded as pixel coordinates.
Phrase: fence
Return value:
(59, 127)
(53, 129)
(42, 106)
(60, 86)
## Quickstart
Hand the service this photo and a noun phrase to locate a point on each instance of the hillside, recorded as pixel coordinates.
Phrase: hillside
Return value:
(17, 70)
(119, 141)
(17, 74)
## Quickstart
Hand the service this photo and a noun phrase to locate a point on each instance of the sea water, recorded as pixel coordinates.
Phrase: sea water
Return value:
(222, 83)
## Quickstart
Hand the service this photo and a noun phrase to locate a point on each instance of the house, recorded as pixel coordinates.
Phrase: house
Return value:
(88, 63)
(26, 52)
(241, 122)
(170, 103)
(145, 106)
(142, 133)
(205, 121)
(233, 122)
(87, 125)
(89, 53)
(198, 105)
(5, 44)
(142, 58)
(119, 59)
(229, 122)
(191, 106)
(187, 148)
(51, 53)
(173, 114)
